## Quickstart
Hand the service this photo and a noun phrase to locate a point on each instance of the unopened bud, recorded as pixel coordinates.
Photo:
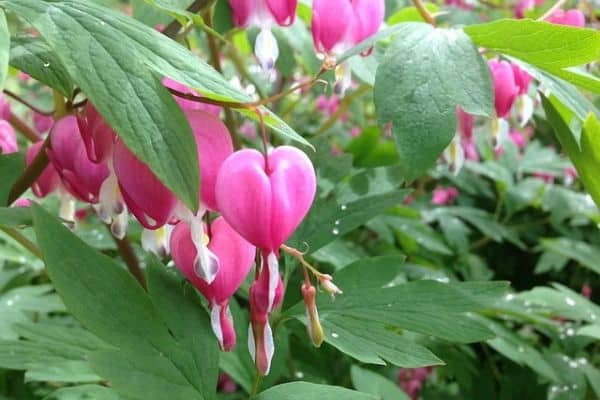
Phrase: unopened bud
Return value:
(326, 283)
(315, 330)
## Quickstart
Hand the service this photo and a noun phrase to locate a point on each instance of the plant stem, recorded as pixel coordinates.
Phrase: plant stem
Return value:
(23, 241)
(216, 62)
(31, 173)
(26, 103)
(256, 384)
(128, 255)
(173, 28)
(22, 127)
(552, 9)
(348, 100)
(424, 12)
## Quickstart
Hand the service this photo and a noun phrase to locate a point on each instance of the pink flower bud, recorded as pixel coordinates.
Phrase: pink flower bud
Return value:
(505, 88)
(444, 196)
(572, 17)
(518, 139)
(332, 21)
(236, 257)
(262, 210)
(226, 384)
(544, 176)
(8, 138)
(315, 330)
(80, 176)
(48, 181)
(42, 123)
(22, 202)
(586, 291)
(5, 109)
(97, 135)
(369, 16)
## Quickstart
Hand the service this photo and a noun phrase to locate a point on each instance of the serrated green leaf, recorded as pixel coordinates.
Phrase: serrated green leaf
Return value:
(34, 57)
(305, 390)
(425, 74)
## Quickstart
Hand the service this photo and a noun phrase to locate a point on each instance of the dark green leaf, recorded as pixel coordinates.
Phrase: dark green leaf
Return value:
(85, 392)
(425, 74)
(15, 217)
(11, 166)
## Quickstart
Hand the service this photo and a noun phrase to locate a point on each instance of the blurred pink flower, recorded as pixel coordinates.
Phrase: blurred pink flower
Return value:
(42, 123)
(572, 17)
(505, 87)
(443, 196)
(518, 139)
(8, 138)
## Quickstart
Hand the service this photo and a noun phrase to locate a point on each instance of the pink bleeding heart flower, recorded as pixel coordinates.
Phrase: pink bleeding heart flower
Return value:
(265, 14)
(189, 104)
(464, 123)
(22, 203)
(505, 87)
(5, 109)
(469, 149)
(526, 5)
(236, 257)
(23, 77)
(522, 79)
(572, 17)
(80, 176)
(48, 181)
(369, 15)
(97, 135)
(42, 123)
(277, 193)
(8, 138)
(332, 21)
(459, 4)
(444, 196)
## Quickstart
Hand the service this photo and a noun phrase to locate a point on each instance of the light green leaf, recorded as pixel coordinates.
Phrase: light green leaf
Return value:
(585, 254)
(4, 48)
(370, 382)
(411, 14)
(84, 392)
(546, 45)
(425, 74)
(34, 57)
(590, 330)
(305, 390)
(367, 273)
(15, 217)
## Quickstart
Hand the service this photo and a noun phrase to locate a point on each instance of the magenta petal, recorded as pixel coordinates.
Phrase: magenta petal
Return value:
(214, 146)
(369, 16)
(68, 155)
(284, 11)
(97, 135)
(189, 104)
(522, 78)
(8, 138)
(241, 11)
(5, 109)
(143, 193)
(236, 257)
(243, 193)
(572, 17)
(505, 88)
(330, 23)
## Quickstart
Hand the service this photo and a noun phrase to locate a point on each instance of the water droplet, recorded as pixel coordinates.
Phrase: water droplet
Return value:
(9, 303)
(335, 231)
(443, 279)
(527, 303)
(299, 374)
(509, 297)
(582, 361)
(334, 335)
(593, 316)
(46, 64)
(388, 304)
(574, 386)
(343, 207)
(102, 23)
(565, 358)
(570, 302)
(337, 222)
(521, 349)
(21, 260)
(573, 364)
(554, 389)
(570, 332)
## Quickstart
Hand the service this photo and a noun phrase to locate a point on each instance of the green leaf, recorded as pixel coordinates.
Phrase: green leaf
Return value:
(84, 392)
(546, 45)
(585, 254)
(368, 273)
(36, 58)
(15, 217)
(425, 74)
(585, 155)
(551, 47)
(11, 166)
(104, 297)
(590, 330)
(411, 14)
(305, 390)
(178, 304)
(561, 302)
(370, 382)
(4, 48)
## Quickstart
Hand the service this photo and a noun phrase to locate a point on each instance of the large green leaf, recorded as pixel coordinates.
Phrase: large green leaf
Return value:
(305, 390)
(81, 392)
(551, 47)
(15, 217)
(585, 254)
(36, 58)
(585, 155)
(11, 166)
(4, 48)
(370, 382)
(425, 74)
(113, 306)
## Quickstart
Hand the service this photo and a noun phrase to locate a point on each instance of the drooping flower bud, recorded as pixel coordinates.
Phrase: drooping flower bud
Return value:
(315, 330)
(236, 257)
(327, 284)
(8, 138)
(97, 135)
(80, 176)
(505, 87)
